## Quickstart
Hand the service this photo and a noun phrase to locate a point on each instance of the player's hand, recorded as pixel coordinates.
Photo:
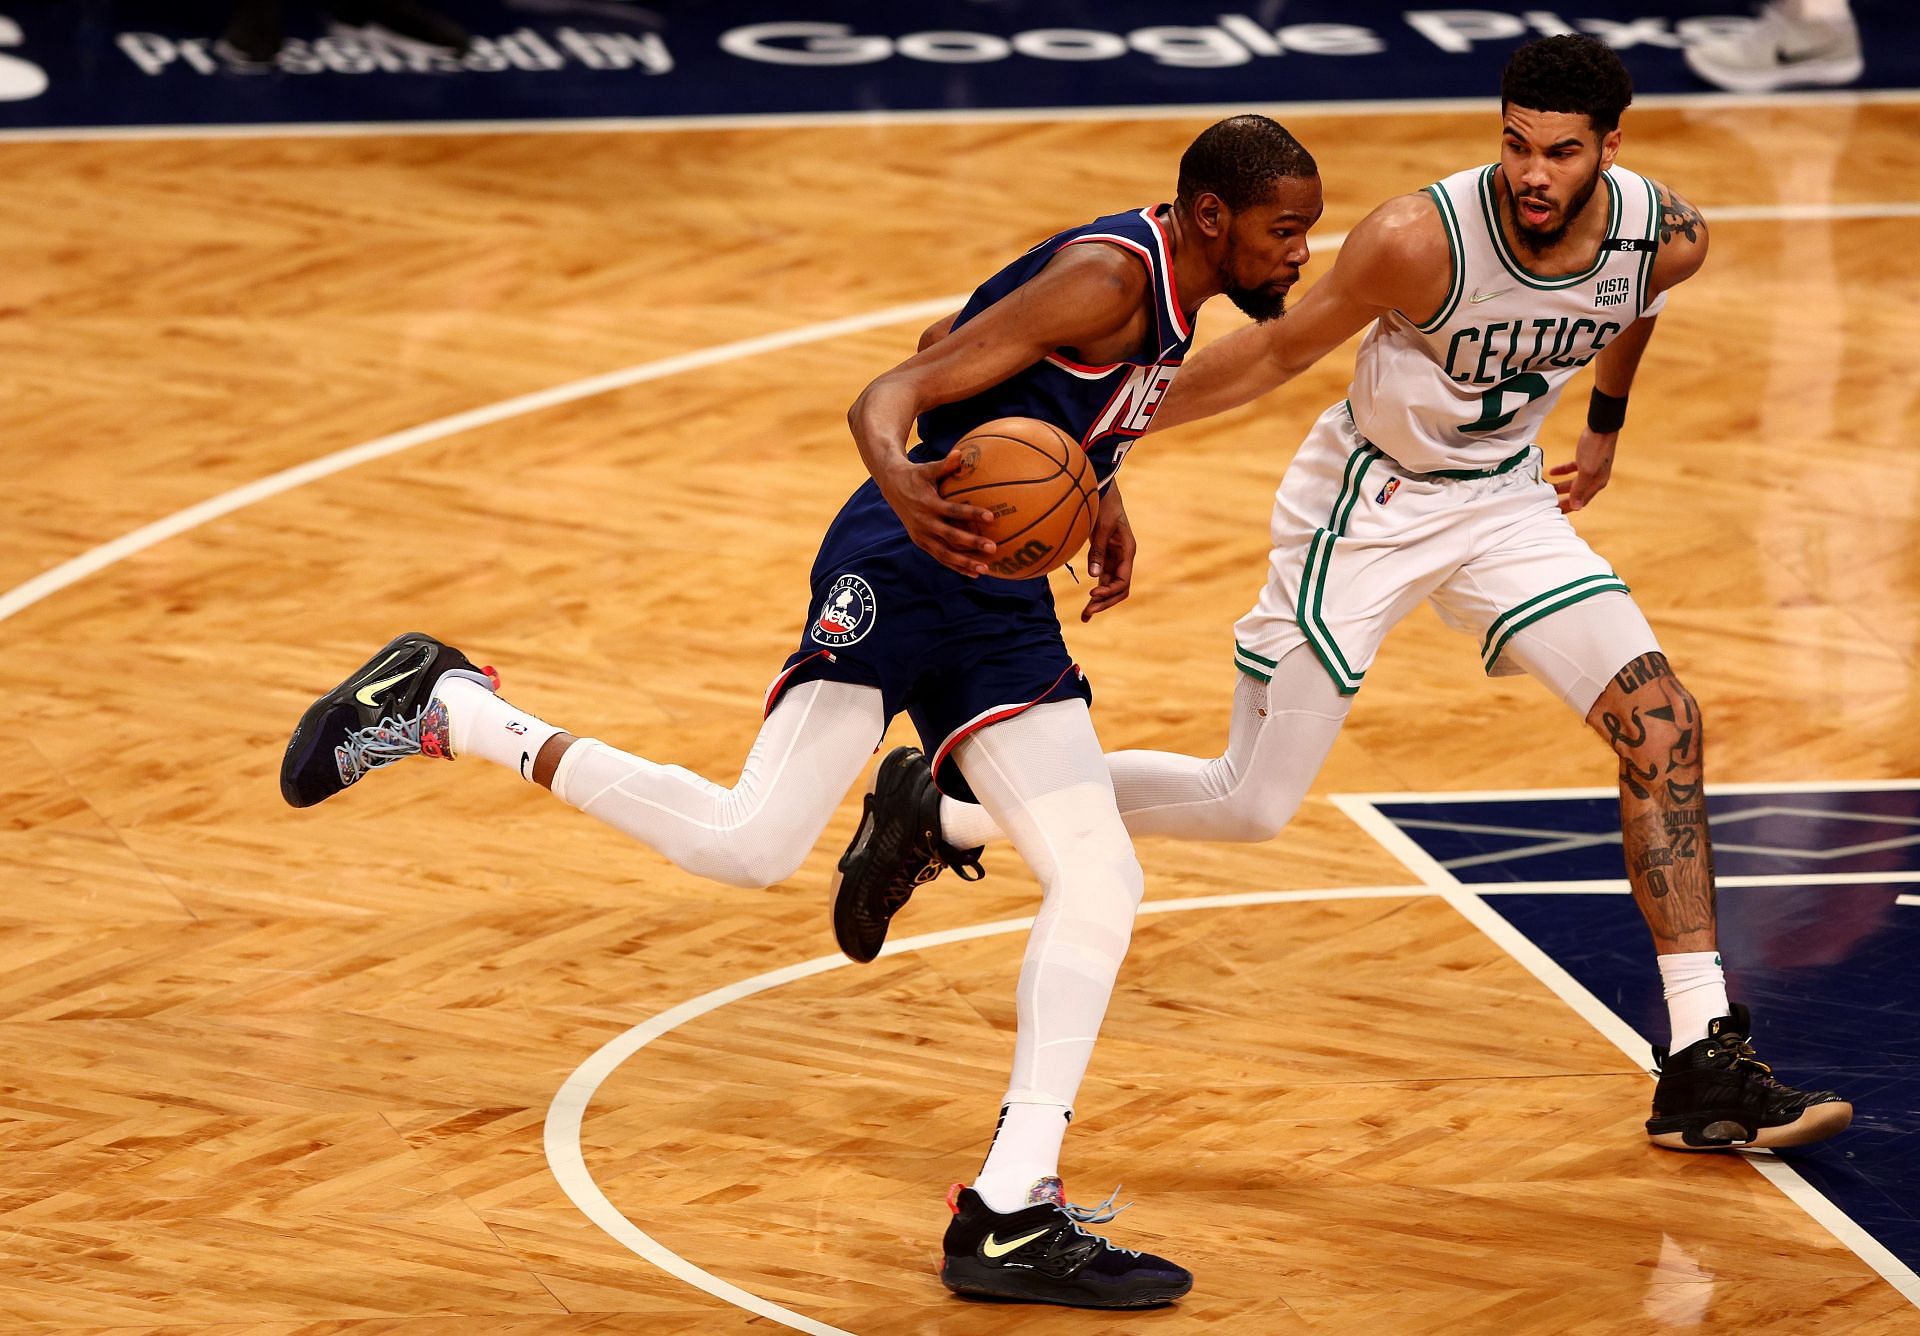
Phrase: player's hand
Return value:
(1592, 466)
(943, 529)
(1109, 556)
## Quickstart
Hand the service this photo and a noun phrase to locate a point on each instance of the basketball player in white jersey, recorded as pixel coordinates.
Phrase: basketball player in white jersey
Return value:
(1486, 293)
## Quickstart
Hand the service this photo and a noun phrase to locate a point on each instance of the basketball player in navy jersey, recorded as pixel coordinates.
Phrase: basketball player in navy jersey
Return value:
(1085, 331)
(1487, 293)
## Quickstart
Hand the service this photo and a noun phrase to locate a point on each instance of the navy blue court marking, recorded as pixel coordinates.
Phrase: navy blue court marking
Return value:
(1780, 833)
(1828, 972)
(1828, 969)
(94, 63)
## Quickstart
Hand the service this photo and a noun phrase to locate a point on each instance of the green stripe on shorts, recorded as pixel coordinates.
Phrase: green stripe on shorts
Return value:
(1523, 615)
(1313, 581)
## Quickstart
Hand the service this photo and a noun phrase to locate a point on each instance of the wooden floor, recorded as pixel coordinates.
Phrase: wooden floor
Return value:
(275, 1072)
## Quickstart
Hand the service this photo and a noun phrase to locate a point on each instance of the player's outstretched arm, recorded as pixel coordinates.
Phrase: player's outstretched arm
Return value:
(1683, 249)
(1397, 258)
(1085, 295)
(937, 331)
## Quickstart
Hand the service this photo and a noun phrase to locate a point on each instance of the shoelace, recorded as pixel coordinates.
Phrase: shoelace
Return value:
(367, 749)
(1740, 1049)
(1098, 1215)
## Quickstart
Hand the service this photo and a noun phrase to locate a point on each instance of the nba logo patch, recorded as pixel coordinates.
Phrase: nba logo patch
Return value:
(1386, 493)
(846, 613)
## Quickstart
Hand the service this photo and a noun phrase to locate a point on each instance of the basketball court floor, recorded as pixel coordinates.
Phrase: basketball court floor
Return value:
(445, 1057)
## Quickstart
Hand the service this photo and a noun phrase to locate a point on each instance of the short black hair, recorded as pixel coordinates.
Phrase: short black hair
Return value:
(1239, 159)
(1572, 73)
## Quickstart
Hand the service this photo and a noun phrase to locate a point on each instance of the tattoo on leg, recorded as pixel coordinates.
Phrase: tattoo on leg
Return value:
(1636, 780)
(1653, 725)
(1650, 861)
(1621, 736)
(1640, 672)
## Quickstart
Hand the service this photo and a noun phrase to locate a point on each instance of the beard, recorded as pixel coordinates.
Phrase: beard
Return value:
(1538, 240)
(1258, 304)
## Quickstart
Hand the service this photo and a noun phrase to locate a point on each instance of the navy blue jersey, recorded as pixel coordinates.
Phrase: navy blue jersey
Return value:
(960, 654)
(1104, 407)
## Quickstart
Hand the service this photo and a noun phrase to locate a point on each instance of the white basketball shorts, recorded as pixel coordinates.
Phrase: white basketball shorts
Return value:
(1359, 541)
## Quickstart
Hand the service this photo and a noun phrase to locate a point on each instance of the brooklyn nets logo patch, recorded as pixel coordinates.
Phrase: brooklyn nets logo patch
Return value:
(846, 613)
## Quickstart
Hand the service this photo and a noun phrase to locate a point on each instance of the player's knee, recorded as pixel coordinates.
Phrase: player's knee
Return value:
(1664, 729)
(750, 861)
(1100, 879)
(1253, 816)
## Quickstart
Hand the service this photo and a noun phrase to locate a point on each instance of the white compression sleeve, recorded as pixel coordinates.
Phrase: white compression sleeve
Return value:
(1279, 737)
(808, 754)
(1042, 776)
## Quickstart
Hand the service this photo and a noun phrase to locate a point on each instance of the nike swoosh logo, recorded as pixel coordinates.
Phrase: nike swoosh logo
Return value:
(365, 694)
(524, 758)
(994, 1248)
(1479, 297)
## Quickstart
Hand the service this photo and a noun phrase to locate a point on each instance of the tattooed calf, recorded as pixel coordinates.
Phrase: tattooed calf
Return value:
(1652, 858)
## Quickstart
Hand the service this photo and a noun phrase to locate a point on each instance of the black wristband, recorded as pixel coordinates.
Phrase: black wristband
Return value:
(1605, 413)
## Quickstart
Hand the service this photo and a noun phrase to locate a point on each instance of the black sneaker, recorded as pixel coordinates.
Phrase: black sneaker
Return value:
(1715, 1095)
(406, 24)
(896, 848)
(376, 717)
(1042, 1254)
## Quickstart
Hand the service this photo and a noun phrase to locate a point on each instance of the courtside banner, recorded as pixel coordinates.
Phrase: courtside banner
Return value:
(134, 63)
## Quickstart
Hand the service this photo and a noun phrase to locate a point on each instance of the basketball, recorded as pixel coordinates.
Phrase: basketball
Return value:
(1037, 482)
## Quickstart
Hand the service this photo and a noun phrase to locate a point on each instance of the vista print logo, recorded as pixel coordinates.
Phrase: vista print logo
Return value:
(20, 79)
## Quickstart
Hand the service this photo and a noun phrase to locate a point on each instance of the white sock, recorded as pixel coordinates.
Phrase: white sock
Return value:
(479, 723)
(1696, 989)
(1025, 1147)
(967, 825)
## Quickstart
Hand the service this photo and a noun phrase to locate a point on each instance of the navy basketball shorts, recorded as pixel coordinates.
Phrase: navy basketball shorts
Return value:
(955, 654)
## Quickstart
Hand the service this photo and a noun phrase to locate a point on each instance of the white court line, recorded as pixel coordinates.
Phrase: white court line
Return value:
(957, 116)
(564, 1115)
(1596, 1013)
(1395, 840)
(1621, 886)
(91, 562)
(76, 569)
(73, 571)
(1906, 899)
(568, 1109)
(1596, 791)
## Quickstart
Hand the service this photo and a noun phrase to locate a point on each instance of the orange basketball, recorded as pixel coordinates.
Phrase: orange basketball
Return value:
(1040, 487)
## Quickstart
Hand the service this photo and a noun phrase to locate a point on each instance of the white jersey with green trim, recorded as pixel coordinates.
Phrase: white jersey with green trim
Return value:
(1465, 390)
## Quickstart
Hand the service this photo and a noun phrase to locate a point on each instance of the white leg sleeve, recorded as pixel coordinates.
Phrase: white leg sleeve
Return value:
(1279, 737)
(1042, 776)
(810, 751)
(1575, 652)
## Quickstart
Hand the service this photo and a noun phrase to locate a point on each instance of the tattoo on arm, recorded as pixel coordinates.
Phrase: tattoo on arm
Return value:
(1678, 218)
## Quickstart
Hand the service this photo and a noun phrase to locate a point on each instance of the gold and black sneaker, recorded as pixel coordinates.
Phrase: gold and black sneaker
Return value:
(383, 713)
(1044, 1254)
(1716, 1095)
(896, 849)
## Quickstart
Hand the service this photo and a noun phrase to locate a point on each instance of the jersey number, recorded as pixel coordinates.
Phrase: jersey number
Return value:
(1529, 385)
